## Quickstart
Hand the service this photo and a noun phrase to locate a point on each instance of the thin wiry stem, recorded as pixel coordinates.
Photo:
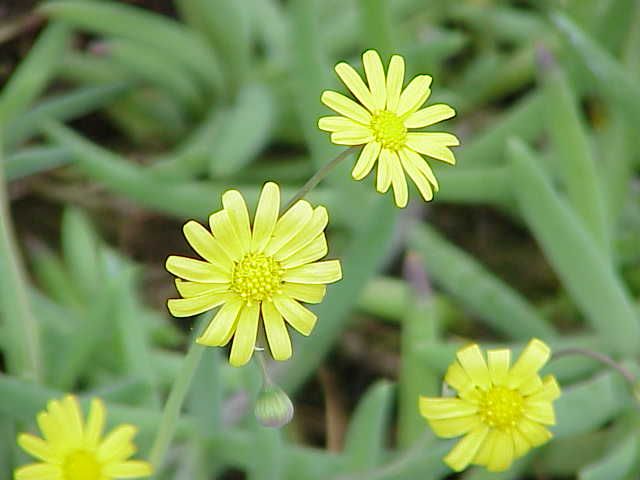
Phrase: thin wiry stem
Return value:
(319, 175)
(600, 357)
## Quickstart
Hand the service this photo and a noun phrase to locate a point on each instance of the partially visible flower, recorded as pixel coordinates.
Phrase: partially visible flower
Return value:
(503, 411)
(381, 121)
(75, 450)
(260, 270)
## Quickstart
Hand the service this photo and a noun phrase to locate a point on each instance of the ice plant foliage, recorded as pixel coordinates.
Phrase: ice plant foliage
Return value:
(75, 450)
(503, 411)
(381, 122)
(260, 270)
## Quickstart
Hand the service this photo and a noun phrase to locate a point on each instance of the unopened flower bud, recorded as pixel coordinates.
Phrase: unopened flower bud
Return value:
(273, 407)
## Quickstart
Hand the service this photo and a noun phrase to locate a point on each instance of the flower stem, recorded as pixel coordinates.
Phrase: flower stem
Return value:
(172, 408)
(600, 357)
(320, 174)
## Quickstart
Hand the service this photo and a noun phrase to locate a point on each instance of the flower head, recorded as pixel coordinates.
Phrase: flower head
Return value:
(381, 122)
(75, 450)
(260, 270)
(501, 410)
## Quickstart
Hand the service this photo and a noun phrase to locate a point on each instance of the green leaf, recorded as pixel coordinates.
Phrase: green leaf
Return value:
(571, 143)
(581, 266)
(366, 437)
(34, 72)
(176, 41)
(501, 307)
(244, 132)
(617, 463)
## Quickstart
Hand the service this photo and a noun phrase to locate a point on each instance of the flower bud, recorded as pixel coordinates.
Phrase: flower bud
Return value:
(273, 407)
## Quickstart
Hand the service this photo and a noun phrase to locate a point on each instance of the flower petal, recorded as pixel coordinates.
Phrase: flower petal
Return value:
(424, 143)
(328, 271)
(299, 317)
(193, 289)
(454, 427)
(304, 292)
(289, 225)
(502, 453)
(384, 171)
(238, 215)
(375, 78)
(355, 84)
(222, 325)
(266, 216)
(549, 392)
(117, 446)
(312, 252)
(458, 378)
(36, 447)
(223, 232)
(129, 469)
(531, 360)
(499, 361)
(311, 230)
(535, 433)
(429, 116)
(399, 182)
(74, 420)
(345, 106)
(541, 412)
(439, 408)
(356, 136)
(466, 449)
(197, 270)
(205, 245)
(187, 307)
(244, 340)
(520, 443)
(421, 165)
(484, 453)
(366, 160)
(50, 428)
(95, 423)
(335, 123)
(472, 360)
(38, 471)
(277, 333)
(414, 95)
(395, 79)
(420, 180)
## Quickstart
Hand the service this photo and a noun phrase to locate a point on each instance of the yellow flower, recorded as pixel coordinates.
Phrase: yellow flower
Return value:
(73, 450)
(264, 270)
(381, 124)
(500, 409)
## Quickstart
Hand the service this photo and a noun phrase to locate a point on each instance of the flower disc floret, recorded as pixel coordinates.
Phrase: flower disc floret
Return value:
(257, 277)
(502, 410)
(388, 129)
(501, 407)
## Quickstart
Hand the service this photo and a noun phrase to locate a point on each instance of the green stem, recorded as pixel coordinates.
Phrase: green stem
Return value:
(319, 175)
(600, 357)
(22, 343)
(172, 408)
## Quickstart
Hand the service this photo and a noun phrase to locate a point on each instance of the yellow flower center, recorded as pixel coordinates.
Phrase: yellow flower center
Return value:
(388, 129)
(256, 277)
(501, 407)
(81, 465)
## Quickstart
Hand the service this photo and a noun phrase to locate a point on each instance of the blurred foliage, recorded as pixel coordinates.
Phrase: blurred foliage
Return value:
(207, 95)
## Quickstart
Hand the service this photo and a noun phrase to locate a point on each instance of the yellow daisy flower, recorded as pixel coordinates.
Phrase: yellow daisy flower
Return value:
(75, 450)
(501, 410)
(252, 271)
(381, 122)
